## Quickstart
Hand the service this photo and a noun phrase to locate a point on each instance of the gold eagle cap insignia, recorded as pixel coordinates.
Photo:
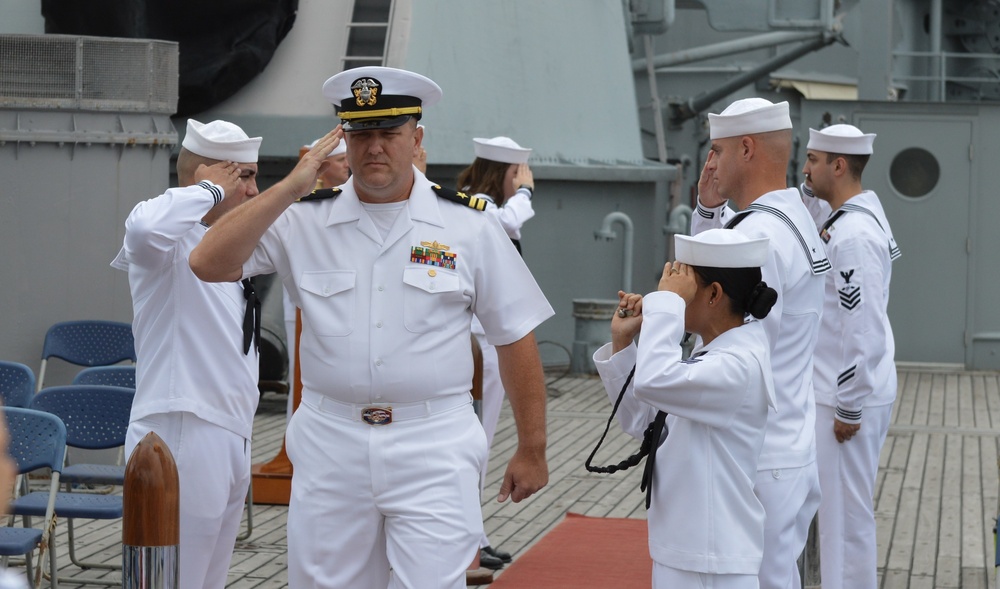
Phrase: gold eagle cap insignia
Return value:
(365, 91)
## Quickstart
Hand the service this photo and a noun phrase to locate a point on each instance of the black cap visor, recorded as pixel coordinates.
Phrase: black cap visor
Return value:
(375, 123)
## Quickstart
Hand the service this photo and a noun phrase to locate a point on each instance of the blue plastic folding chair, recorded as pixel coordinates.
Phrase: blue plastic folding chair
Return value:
(37, 440)
(115, 376)
(17, 384)
(87, 343)
(96, 418)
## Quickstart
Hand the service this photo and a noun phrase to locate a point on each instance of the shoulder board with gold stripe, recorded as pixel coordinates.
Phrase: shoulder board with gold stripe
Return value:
(473, 202)
(320, 194)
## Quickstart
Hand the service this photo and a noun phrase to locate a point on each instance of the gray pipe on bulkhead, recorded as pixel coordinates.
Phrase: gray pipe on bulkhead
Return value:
(606, 233)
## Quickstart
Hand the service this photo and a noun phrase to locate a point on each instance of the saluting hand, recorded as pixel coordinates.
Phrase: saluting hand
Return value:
(708, 187)
(524, 177)
(225, 174)
(302, 179)
(679, 278)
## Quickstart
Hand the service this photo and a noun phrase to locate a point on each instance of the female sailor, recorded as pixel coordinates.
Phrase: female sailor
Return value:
(704, 416)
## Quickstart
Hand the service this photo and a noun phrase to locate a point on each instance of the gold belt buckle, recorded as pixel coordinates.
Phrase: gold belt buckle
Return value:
(377, 415)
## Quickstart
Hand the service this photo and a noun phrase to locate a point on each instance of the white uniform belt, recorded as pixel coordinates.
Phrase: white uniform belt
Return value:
(395, 411)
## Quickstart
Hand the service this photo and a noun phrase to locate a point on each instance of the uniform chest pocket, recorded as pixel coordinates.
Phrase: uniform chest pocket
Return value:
(429, 301)
(328, 301)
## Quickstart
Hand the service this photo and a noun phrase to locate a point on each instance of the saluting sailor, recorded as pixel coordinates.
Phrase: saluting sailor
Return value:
(197, 361)
(500, 174)
(706, 526)
(751, 144)
(388, 271)
(855, 375)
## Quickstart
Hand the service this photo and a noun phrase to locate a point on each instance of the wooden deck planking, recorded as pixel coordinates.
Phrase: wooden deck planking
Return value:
(949, 554)
(992, 389)
(936, 493)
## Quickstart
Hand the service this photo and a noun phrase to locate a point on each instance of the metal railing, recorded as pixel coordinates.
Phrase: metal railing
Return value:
(975, 71)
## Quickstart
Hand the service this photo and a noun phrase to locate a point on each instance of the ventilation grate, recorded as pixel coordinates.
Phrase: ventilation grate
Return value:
(88, 73)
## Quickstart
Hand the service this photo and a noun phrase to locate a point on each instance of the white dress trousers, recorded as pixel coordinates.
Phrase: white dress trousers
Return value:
(394, 498)
(847, 512)
(665, 577)
(790, 497)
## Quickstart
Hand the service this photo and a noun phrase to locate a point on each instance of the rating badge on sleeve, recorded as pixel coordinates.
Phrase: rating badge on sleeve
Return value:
(433, 253)
(850, 294)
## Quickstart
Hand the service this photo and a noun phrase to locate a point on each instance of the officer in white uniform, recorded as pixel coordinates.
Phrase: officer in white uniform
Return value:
(855, 375)
(196, 372)
(751, 144)
(514, 212)
(388, 272)
(706, 526)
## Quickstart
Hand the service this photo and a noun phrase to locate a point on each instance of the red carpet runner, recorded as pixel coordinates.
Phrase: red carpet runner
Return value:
(584, 553)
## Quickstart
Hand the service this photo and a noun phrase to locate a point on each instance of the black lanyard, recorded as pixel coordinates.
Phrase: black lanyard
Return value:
(251, 318)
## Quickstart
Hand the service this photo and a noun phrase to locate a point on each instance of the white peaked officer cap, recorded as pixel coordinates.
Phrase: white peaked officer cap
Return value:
(501, 149)
(375, 97)
(749, 116)
(220, 140)
(721, 248)
(846, 139)
(341, 147)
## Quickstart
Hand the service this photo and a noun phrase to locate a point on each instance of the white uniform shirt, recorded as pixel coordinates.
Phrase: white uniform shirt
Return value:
(515, 212)
(854, 355)
(792, 326)
(378, 327)
(704, 515)
(188, 333)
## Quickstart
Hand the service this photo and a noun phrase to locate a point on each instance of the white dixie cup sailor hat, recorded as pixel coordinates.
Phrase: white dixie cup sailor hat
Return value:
(721, 248)
(843, 139)
(220, 140)
(748, 117)
(501, 149)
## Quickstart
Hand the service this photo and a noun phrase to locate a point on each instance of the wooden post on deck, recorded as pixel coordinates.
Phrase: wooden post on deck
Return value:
(151, 517)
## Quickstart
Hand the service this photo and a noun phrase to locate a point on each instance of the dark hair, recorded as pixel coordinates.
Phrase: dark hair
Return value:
(484, 177)
(746, 291)
(855, 162)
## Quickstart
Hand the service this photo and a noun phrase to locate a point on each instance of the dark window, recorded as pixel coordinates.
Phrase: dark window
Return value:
(914, 172)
